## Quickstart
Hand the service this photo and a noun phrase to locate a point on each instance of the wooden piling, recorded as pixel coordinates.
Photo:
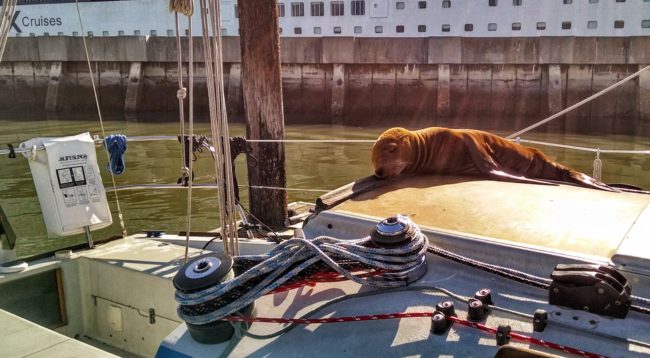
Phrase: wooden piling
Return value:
(262, 86)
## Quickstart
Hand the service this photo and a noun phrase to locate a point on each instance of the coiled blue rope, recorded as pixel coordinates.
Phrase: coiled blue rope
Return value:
(116, 145)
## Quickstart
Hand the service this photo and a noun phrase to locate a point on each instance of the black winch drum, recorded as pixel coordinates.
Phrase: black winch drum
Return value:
(198, 274)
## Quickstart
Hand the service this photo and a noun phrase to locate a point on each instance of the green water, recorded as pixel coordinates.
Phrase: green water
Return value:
(310, 166)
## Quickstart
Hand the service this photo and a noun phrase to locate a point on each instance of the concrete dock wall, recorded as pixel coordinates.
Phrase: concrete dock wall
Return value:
(512, 82)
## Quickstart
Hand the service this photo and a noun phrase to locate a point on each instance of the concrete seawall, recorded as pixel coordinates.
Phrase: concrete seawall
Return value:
(512, 82)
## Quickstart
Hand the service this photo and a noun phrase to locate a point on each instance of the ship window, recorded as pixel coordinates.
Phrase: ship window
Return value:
(280, 30)
(379, 29)
(48, 34)
(399, 28)
(90, 33)
(469, 27)
(619, 24)
(516, 2)
(422, 4)
(422, 28)
(541, 26)
(399, 5)
(297, 9)
(152, 32)
(358, 29)
(297, 30)
(61, 33)
(187, 32)
(492, 26)
(645, 24)
(136, 33)
(566, 25)
(492, 2)
(620, 0)
(317, 30)
(105, 33)
(236, 12)
(358, 7)
(446, 4)
(337, 29)
(280, 9)
(224, 31)
(592, 24)
(337, 8)
(567, 2)
(446, 28)
(318, 8)
(170, 32)
(593, 1)
(516, 26)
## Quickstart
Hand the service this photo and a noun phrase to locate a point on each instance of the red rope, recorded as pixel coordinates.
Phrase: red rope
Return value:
(320, 277)
(377, 317)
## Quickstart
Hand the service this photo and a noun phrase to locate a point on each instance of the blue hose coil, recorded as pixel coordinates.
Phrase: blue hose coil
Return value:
(116, 145)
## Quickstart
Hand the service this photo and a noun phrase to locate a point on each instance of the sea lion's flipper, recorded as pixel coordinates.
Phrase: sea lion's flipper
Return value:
(587, 181)
(501, 175)
(481, 154)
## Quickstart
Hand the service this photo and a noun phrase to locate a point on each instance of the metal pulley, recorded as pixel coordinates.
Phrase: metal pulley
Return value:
(394, 230)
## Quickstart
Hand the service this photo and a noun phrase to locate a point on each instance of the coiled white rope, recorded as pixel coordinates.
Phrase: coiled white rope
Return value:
(300, 254)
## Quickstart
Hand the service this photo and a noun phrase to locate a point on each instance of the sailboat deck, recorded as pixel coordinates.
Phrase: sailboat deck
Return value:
(564, 218)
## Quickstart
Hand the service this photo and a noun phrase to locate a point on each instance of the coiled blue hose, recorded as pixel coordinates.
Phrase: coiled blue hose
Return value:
(116, 145)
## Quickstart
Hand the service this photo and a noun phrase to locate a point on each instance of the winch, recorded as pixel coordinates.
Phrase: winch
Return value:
(198, 274)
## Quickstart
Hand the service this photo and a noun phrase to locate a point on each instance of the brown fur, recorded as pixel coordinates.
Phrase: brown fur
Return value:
(437, 150)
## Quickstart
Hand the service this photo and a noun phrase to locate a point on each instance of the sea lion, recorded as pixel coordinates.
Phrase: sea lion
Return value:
(438, 150)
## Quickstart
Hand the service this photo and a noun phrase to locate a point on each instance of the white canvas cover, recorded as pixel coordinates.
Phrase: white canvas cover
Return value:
(68, 184)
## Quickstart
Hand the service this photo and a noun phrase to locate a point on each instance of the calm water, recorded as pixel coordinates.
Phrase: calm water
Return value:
(313, 166)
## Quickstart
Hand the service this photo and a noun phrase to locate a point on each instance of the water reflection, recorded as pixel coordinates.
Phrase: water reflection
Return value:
(309, 165)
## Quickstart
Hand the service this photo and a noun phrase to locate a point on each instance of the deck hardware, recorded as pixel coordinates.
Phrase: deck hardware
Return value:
(439, 323)
(540, 320)
(12, 152)
(484, 295)
(503, 334)
(476, 311)
(152, 316)
(154, 233)
(446, 308)
(593, 288)
(393, 231)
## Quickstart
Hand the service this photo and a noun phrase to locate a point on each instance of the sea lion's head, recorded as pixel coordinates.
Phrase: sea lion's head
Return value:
(391, 153)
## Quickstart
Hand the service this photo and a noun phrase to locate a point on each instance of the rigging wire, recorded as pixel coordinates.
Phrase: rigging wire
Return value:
(99, 141)
(99, 114)
(586, 100)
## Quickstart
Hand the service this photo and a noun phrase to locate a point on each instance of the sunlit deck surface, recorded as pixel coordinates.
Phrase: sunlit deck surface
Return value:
(557, 217)
(22, 338)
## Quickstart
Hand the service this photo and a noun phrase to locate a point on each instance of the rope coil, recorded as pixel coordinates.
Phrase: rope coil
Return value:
(291, 259)
(185, 7)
